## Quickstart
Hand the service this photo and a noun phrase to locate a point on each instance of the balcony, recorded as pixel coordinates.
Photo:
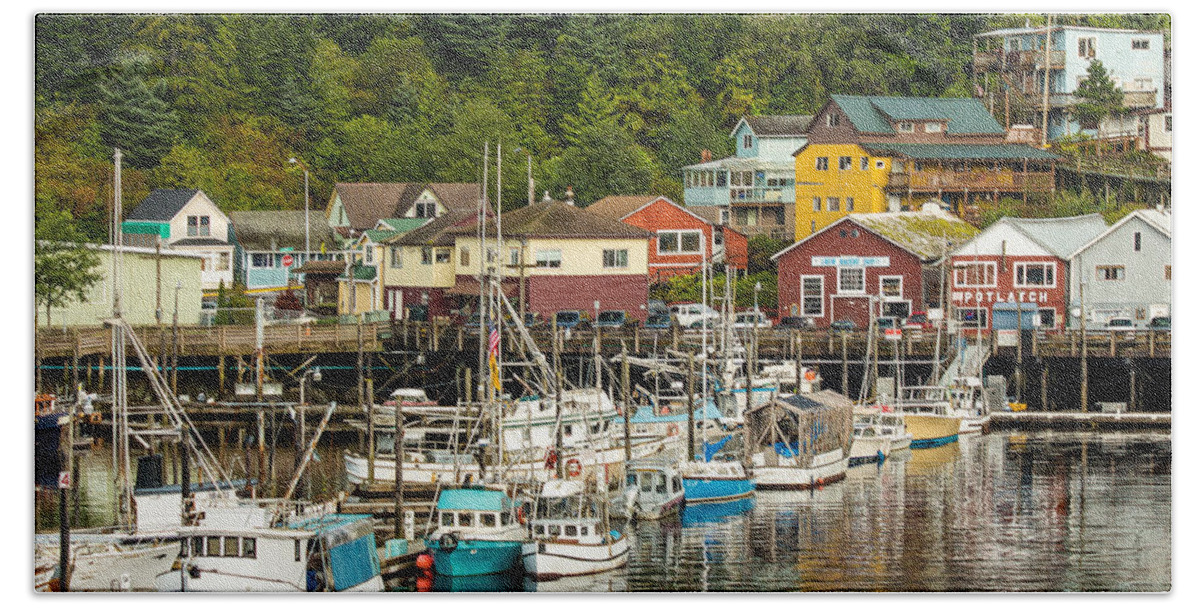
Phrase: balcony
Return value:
(762, 195)
(995, 60)
(1132, 99)
(977, 179)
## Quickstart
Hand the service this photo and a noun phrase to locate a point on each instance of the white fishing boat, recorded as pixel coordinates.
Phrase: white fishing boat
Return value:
(877, 434)
(800, 441)
(570, 535)
(653, 488)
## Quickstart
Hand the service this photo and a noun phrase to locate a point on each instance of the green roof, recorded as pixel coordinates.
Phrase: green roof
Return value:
(962, 151)
(404, 224)
(470, 499)
(362, 273)
(378, 235)
(875, 114)
(162, 229)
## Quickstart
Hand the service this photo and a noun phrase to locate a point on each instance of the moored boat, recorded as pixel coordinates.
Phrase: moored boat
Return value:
(478, 533)
(569, 536)
(800, 441)
(715, 481)
(653, 488)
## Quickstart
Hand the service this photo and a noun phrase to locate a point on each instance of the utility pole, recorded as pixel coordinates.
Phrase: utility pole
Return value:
(628, 399)
(691, 430)
(1046, 82)
(175, 341)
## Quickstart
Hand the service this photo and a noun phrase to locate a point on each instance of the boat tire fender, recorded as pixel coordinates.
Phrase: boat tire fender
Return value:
(448, 542)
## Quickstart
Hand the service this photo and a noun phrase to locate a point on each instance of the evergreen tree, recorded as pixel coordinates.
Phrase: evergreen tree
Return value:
(1099, 98)
(134, 118)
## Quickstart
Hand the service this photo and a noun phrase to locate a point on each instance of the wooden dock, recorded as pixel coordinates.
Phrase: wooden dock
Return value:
(1096, 421)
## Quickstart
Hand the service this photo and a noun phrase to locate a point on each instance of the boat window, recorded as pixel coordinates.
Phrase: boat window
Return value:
(555, 529)
(505, 518)
(675, 485)
(198, 546)
(596, 428)
(583, 531)
(567, 430)
(297, 550)
(539, 529)
(647, 481)
(464, 519)
(487, 520)
(572, 531)
(447, 519)
(248, 549)
(631, 480)
(231, 546)
(214, 545)
(661, 487)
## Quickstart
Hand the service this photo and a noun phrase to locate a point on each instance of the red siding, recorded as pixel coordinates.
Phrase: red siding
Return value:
(1006, 289)
(440, 304)
(663, 215)
(831, 243)
(550, 294)
(737, 252)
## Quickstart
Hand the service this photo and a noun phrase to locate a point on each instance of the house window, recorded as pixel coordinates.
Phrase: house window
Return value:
(679, 241)
(843, 163)
(1046, 317)
(832, 119)
(1110, 273)
(442, 255)
(1167, 272)
(425, 209)
(904, 127)
(722, 178)
(852, 280)
(1033, 274)
(747, 141)
(1141, 44)
(426, 256)
(370, 259)
(197, 225)
(933, 127)
(397, 259)
(822, 163)
(222, 261)
(891, 287)
(972, 317)
(879, 164)
(262, 260)
(833, 203)
(816, 203)
(464, 256)
(812, 296)
(864, 163)
(974, 274)
(549, 258)
(849, 203)
(1087, 48)
(616, 258)
(514, 256)
(1137, 241)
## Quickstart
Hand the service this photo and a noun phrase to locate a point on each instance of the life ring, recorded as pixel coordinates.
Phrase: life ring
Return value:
(448, 542)
(810, 375)
(672, 430)
(664, 411)
(574, 468)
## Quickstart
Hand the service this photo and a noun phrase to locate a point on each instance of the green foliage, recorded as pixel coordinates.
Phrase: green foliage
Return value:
(134, 117)
(687, 288)
(759, 249)
(1099, 97)
(232, 305)
(64, 270)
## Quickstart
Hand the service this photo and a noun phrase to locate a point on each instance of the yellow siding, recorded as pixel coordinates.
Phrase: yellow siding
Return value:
(412, 273)
(141, 282)
(364, 302)
(865, 187)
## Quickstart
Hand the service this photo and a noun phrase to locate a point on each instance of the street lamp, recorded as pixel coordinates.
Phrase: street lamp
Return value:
(307, 247)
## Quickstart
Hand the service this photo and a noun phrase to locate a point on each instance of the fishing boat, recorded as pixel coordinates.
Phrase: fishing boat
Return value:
(927, 416)
(570, 535)
(653, 488)
(800, 441)
(877, 434)
(715, 481)
(479, 532)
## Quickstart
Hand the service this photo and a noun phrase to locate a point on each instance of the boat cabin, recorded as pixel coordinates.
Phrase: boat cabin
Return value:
(564, 513)
(475, 511)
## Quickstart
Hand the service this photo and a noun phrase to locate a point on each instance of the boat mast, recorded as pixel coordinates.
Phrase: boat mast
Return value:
(120, 389)
(481, 233)
(499, 314)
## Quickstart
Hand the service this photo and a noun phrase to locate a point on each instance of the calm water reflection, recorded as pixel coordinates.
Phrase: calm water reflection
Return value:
(1002, 512)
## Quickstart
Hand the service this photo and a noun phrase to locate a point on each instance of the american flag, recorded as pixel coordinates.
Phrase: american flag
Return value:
(494, 342)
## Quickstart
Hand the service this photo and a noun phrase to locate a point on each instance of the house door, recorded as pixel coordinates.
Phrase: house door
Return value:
(395, 302)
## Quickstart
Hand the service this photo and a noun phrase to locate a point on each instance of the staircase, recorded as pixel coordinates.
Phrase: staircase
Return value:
(968, 362)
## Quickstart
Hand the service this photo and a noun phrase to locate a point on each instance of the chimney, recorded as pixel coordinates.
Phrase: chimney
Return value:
(570, 196)
(546, 197)
(706, 155)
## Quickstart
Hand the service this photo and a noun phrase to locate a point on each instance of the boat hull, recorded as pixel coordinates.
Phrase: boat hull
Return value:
(548, 561)
(826, 468)
(132, 568)
(477, 557)
(929, 431)
(708, 489)
(869, 449)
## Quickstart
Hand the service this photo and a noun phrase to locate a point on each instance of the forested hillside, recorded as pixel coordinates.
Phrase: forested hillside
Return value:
(608, 104)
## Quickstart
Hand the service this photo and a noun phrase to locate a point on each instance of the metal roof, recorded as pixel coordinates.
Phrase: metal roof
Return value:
(1060, 236)
(472, 499)
(874, 114)
(271, 230)
(162, 205)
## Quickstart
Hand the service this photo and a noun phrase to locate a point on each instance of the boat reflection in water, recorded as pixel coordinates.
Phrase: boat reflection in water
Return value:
(614, 580)
(711, 512)
(501, 581)
(931, 460)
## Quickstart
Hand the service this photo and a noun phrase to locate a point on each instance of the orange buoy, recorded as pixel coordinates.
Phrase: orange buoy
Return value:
(424, 584)
(425, 561)
(810, 375)
(664, 411)
(672, 430)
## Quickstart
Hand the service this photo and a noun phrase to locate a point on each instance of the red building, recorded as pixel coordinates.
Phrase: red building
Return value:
(682, 238)
(1018, 261)
(880, 261)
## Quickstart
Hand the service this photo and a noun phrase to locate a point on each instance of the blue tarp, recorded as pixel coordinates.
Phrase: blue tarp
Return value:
(353, 563)
(711, 449)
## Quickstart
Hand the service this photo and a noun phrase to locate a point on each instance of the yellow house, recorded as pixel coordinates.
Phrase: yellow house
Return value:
(418, 267)
(835, 180)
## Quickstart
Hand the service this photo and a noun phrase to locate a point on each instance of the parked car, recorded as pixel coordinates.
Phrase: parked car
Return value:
(1120, 324)
(918, 320)
(569, 319)
(692, 315)
(751, 319)
(611, 318)
(658, 321)
(473, 322)
(795, 322)
(888, 323)
(843, 325)
(1160, 324)
(657, 307)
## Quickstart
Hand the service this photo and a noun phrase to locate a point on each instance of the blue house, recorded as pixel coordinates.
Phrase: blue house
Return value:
(1012, 63)
(269, 246)
(755, 188)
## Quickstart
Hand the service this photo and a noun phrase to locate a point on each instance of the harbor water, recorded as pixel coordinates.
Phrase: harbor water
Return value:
(1046, 511)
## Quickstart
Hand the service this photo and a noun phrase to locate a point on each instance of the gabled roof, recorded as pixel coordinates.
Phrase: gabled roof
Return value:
(960, 151)
(436, 232)
(162, 205)
(1060, 236)
(1158, 220)
(874, 114)
(619, 207)
(403, 224)
(778, 125)
(921, 233)
(271, 230)
(551, 219)
(367, 203)
(455, 195)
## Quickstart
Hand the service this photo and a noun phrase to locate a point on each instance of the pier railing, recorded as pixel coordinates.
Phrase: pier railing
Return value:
(220, 340)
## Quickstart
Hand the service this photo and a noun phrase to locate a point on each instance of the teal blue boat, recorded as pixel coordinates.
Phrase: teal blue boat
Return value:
(478, 533)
